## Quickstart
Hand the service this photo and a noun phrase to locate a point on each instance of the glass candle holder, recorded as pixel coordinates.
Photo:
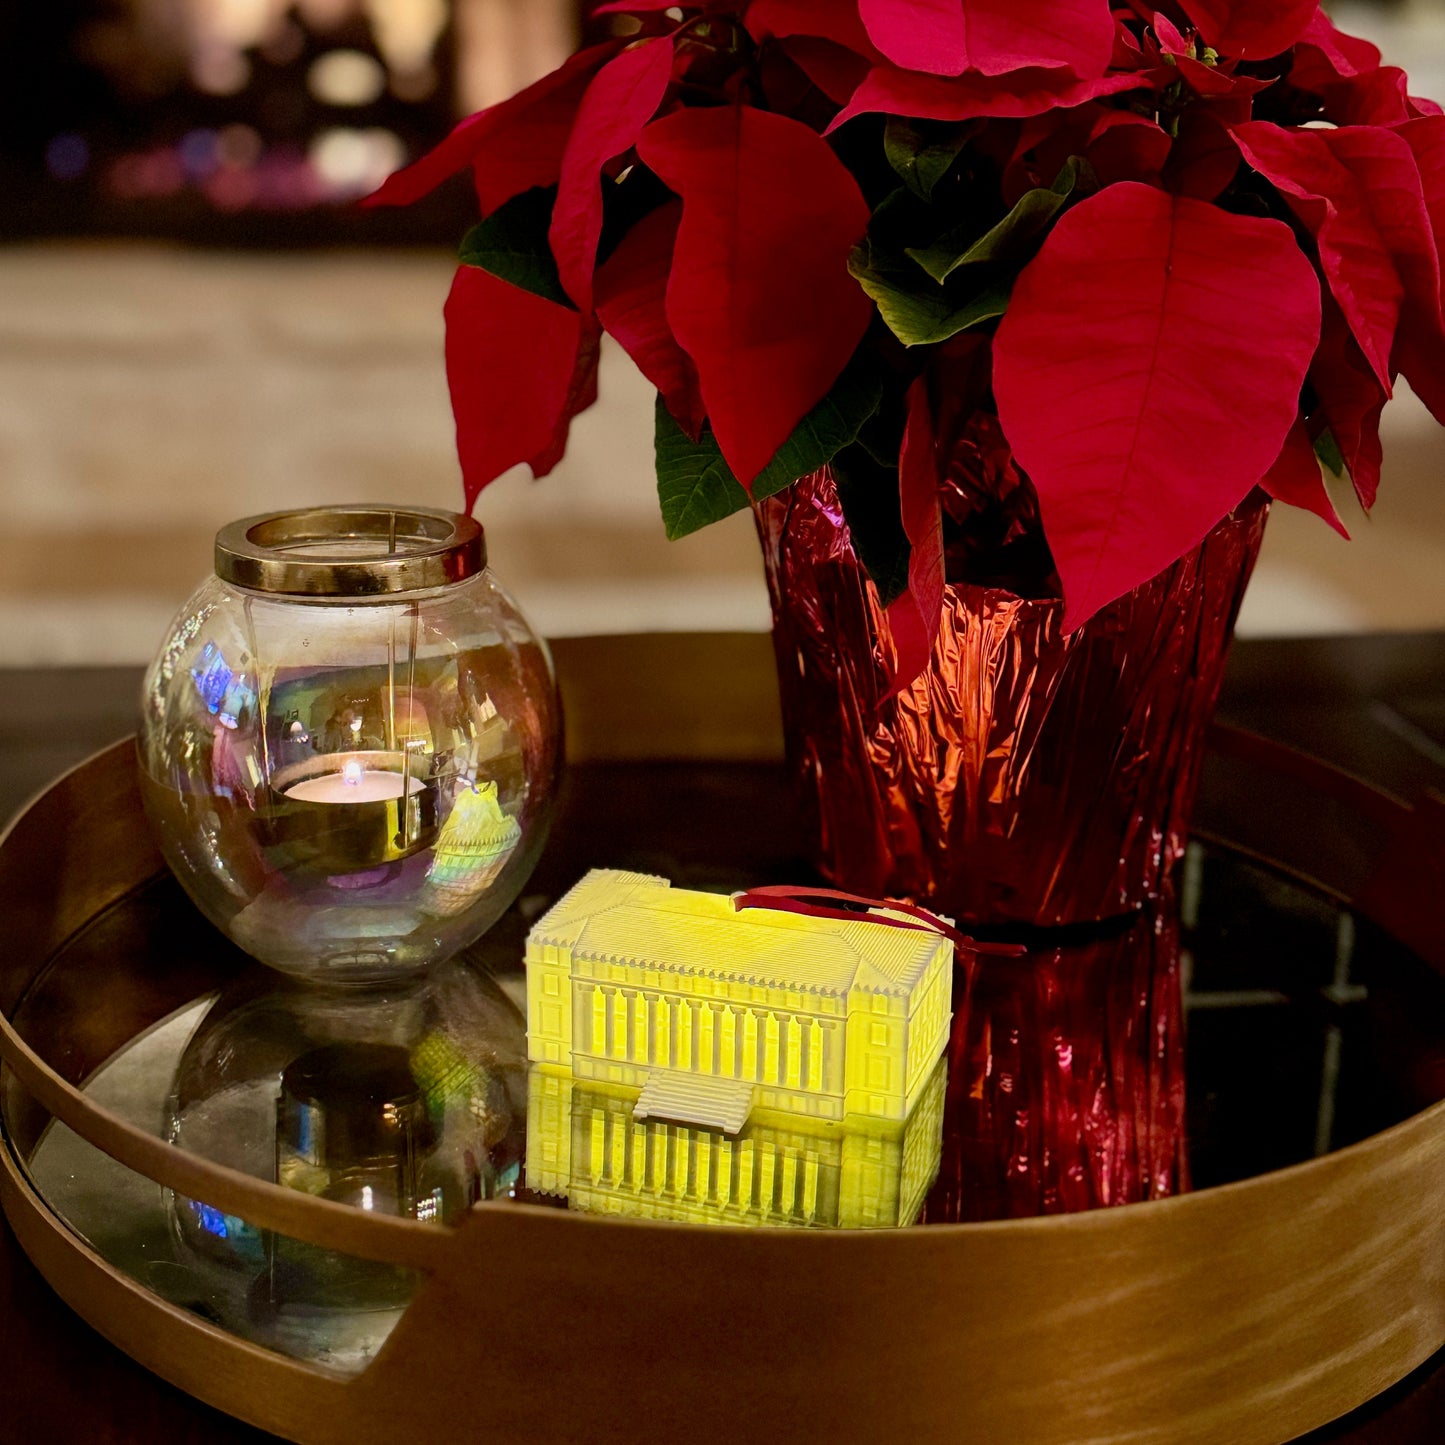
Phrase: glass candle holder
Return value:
(349, 741)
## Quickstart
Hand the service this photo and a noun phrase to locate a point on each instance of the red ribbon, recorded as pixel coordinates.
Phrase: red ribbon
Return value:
(785, 899)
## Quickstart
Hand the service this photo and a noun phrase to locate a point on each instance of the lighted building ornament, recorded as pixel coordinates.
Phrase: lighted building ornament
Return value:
(692, 1061)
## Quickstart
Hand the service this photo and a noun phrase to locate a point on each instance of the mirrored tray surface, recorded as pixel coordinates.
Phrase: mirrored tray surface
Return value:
(1302, 1030)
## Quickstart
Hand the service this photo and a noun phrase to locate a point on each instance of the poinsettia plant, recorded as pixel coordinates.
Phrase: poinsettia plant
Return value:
(1050, 285)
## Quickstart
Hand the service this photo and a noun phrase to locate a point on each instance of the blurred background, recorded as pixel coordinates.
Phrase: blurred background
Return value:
(196, 324)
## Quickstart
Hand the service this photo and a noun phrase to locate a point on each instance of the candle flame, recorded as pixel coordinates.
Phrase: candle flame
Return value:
(351, 772)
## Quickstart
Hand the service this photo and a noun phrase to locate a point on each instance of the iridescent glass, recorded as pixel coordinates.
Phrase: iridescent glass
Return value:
(349, 741)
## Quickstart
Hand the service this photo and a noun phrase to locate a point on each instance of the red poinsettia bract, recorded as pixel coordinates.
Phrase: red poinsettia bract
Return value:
(1072, 276)
(765, 307)
(617, 104)
(991, 37)
(1296, 478)
(632, 307)
(512, 146)
(1128, 385)
(1249, 29)
(539, 387)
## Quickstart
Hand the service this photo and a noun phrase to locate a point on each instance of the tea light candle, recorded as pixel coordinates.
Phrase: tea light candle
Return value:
(355, 783)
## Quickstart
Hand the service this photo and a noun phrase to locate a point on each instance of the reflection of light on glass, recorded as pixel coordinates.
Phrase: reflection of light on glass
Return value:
(212, 677)
(351, 773)
(346, 77)
(352, 162)
(367, 1199)
(211, 1220)
(67, 156)
(225, 695)
(355, 725)
(448, 1077)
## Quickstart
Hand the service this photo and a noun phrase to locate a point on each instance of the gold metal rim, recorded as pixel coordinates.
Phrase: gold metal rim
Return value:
(355, 550)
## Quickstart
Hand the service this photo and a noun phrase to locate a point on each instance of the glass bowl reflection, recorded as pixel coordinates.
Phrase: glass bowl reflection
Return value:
(408, 1100)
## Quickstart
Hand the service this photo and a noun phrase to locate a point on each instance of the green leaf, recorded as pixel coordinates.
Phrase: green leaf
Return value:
(923, 153)
(695, 485)
(917, 310)
(828, 428)
(868, 494)
(881, 436)
(1327, 449)
(512, 243)
(901, 220)
(1012, 239)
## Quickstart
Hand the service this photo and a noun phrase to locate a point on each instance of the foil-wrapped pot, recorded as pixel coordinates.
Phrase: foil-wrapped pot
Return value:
(1024, 776)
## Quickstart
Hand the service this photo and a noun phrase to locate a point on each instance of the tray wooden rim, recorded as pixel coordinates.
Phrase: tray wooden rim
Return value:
(1372, 1313)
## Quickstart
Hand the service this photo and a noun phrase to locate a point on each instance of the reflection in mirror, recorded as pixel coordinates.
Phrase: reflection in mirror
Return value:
(406, 1100)
(585, 1146)
(1304, 1029)
(1066, 1086)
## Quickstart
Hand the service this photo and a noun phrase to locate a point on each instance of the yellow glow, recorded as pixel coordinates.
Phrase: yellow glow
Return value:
(822, 1018)
(584, 1143)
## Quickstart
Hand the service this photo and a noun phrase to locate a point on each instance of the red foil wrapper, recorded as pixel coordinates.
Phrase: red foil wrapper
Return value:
(1066, 1081)
(1025, 776)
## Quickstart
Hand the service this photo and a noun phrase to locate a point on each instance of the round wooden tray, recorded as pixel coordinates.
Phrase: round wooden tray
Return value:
(1251, 1312)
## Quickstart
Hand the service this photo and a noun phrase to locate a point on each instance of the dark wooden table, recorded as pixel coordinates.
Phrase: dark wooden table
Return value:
(1375, 705)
